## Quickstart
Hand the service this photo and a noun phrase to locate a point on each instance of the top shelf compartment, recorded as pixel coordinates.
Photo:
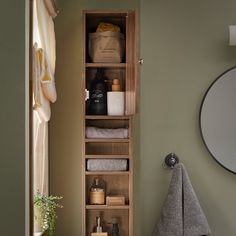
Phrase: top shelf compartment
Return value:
(92, 22)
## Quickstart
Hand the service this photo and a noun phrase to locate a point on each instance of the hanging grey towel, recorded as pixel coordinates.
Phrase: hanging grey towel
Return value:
(181, 214)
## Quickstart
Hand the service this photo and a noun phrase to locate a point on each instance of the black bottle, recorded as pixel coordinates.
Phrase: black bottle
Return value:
(98, 95)
(115, 228)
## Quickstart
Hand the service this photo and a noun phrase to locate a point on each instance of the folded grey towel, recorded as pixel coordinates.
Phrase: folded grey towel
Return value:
(107, 165)
(95, 132)
(181, 214)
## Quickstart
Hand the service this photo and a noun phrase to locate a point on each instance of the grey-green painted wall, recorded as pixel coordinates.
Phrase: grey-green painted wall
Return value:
(185, 47)
(12, 118)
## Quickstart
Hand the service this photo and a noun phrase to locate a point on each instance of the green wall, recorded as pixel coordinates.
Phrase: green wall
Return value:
(12, 118)
(185, 47)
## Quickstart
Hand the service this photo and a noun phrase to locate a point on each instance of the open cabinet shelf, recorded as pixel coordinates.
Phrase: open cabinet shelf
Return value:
(117, 182)
(122, 215)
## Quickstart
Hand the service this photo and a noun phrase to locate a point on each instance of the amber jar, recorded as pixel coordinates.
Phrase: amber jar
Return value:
(97, 193)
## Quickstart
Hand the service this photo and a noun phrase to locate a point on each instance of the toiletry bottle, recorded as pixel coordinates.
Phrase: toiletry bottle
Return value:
(98, 225)
(97, 193)
(98, 228)
(98, 95)
(115, 87)
(115, 228)
(115, 99)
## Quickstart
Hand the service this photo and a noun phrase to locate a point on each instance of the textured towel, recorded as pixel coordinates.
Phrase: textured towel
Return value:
(107, 165)
(95, 132)
(41, 104)
(181, 214)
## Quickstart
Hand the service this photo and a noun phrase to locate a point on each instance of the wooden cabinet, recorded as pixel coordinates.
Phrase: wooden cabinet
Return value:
(118, 183)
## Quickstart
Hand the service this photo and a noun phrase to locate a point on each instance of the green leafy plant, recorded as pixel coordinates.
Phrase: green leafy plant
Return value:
(47, 206)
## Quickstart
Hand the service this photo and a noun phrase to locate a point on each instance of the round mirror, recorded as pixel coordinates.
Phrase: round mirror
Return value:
(218, 119)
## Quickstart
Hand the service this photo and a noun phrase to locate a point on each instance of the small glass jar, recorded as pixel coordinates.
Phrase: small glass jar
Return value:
(97, 193)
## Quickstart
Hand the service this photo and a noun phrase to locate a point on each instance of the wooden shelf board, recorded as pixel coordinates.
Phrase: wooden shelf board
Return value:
(93, 117)
(107, 13)
(107, 156)
(106, 65)
(106, 140)
(106, 172)
(106, 207)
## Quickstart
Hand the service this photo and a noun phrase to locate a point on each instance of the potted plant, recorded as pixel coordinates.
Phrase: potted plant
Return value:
(45, 213)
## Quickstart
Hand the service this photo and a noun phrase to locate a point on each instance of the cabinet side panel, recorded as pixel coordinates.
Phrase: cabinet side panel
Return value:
(83, 129)
(132, 66)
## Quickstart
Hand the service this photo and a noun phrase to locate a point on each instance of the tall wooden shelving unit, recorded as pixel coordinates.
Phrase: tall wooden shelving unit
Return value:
(117, 182)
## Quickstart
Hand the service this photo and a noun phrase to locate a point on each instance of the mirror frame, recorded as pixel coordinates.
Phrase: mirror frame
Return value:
(200, 114)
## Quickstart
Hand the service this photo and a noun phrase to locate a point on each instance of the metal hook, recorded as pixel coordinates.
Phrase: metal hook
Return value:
(170, 161)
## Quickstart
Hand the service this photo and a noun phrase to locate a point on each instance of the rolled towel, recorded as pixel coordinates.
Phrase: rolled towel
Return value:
(95, 132)
(107, 165)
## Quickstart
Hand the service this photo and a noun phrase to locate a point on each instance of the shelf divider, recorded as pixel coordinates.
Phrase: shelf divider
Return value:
(94, 117)
(106, 207)
(105, 65)
(107, 156)
(107, 140)
(107, 172)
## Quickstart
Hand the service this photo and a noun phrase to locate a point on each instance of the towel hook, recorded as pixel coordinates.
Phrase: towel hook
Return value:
(170, 160)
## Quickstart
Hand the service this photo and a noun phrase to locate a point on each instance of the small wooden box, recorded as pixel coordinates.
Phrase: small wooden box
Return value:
(115, 200)
(99, 234)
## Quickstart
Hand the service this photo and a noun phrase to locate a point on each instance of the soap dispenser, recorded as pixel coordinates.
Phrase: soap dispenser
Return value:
(98, 228)
(115, 100)
(98, 94)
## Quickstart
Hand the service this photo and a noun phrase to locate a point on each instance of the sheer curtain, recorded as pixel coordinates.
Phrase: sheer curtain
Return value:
(44, 91)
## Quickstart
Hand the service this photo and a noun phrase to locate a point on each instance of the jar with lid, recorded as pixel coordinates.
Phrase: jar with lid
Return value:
(97, 192)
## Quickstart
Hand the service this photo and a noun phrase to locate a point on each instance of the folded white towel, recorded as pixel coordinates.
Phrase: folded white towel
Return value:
(94, 132)
(181, 214)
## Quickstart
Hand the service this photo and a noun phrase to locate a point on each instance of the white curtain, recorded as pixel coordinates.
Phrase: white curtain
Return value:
(44, 91)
